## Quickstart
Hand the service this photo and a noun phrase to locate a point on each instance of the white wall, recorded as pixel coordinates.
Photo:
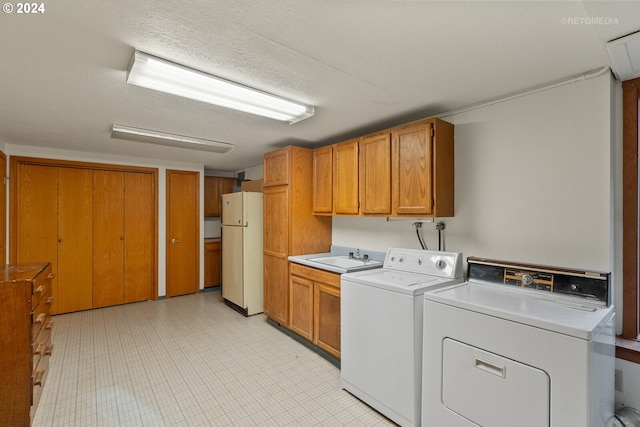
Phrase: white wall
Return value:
(537, 180)
(18, 150)
(532, 183)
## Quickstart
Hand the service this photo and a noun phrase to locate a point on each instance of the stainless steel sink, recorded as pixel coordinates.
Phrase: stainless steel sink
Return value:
(343, 261)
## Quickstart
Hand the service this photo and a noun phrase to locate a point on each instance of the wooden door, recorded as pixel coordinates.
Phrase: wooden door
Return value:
(75, 260)
(182, 232)
(140, 236)
(35, 198)
(276, 251)
(375, 174)
(108, 238)
(323, 180)
(345, 178)
(412, 168)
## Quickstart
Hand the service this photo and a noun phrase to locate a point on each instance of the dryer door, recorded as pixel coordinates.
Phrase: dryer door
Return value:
(490, 390)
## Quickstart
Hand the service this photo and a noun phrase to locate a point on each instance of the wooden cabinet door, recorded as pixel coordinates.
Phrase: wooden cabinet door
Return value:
(412, 170)
(276, 289)
(183, 231)
(140, 237)
(327, 318)
(301, 306)
(211, 197)
(108, 238)
(214, 188)
(212, 264)
(375, 174)
(345, 178)
(276, 168)
(75, 239)
(323, 180)
(276, 251)
(36, 220)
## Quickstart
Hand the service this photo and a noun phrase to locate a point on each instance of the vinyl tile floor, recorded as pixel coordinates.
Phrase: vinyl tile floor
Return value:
(189, 361)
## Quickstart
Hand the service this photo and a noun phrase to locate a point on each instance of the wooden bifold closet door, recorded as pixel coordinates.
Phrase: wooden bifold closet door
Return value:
(122, 237)
(96, 226)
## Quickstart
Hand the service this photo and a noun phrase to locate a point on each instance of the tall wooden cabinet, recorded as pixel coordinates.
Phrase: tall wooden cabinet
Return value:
(95, 224)
(290, 228)
(25, 339)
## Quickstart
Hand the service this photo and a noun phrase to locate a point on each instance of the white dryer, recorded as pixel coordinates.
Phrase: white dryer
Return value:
(381, 328)
(519, 345)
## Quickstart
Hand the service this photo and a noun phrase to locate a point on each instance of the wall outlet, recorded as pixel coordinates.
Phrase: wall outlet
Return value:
(619, 386)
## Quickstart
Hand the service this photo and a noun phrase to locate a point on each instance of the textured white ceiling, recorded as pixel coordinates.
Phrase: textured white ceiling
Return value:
(363, 64)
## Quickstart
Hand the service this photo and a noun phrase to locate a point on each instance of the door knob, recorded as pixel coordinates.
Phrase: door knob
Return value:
(175, 241)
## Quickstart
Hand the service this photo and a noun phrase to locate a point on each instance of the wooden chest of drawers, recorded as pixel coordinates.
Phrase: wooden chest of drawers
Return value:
(25, 339)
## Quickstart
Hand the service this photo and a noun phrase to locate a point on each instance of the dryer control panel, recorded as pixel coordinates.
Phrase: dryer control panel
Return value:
(584, 285)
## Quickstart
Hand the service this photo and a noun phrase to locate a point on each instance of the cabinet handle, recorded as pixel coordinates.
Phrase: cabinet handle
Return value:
(59, 240)
(175, 241)
(51, 276)
(38, 377)
(49, 325)
(40, 318)
(50, 300)
(39, 289)
(121, 237)
(48, 350)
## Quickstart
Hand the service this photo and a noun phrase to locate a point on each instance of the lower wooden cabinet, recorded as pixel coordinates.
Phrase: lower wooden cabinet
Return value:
(315, 306)
(25, 339)
(212, 264)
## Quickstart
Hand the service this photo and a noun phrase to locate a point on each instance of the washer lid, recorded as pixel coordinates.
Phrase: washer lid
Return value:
(398, 281)
(526, 307)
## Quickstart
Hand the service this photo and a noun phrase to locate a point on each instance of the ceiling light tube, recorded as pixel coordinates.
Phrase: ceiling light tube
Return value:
(168, 139)
(159, 74)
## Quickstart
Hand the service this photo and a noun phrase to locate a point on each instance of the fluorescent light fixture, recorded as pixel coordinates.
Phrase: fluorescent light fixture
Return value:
(171, 140)
(159, 74)
(625, 56)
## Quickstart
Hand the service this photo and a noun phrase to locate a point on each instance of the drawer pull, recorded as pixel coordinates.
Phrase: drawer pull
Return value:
(48, 350)
(51, 276)
(39, 290)
(40, 318)
(40, 348)
(490, 367)
(38, 377)
(50, 300)
(49, 325)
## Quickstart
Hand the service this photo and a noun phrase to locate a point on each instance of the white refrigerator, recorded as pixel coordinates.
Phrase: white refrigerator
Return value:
(242, 252)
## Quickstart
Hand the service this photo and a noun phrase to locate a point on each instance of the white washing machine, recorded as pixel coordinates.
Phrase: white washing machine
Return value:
(519, 345)
(381, 328)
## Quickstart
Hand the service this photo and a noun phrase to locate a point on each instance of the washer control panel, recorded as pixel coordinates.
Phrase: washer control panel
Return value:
(433, 263)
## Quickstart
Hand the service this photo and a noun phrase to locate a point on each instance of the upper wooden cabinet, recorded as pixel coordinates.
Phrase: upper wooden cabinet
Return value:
(214, 187)
(276, 168)
(345, 178)
(423, 169)
(375, 174)
(407, 170)
(323, 180)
